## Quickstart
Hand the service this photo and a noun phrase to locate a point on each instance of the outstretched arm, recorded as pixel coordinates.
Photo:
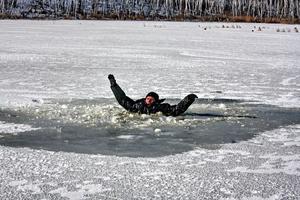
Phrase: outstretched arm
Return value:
(180, 108)
(120, 95)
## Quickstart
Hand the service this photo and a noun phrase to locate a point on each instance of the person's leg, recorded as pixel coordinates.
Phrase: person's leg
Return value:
(184, 104)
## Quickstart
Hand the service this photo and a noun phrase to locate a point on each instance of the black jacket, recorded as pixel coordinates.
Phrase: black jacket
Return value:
(139, 106)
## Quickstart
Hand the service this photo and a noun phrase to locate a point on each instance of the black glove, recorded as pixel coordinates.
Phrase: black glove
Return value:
(191, 97)
(112, 80)
(184, 104)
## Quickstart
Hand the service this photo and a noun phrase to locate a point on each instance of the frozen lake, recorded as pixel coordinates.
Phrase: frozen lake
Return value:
(71, 59)
(63, 135)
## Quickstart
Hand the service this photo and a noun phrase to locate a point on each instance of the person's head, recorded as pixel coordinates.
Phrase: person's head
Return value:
(151, 98)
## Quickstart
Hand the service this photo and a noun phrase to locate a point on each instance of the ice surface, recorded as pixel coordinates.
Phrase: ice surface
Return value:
(41, 60)
(71, 59)
(11, 128)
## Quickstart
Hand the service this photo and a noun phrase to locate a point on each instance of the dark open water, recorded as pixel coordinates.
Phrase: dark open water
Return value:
(102, 127)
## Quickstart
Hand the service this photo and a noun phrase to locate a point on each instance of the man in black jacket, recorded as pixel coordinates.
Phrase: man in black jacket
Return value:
(151, 103)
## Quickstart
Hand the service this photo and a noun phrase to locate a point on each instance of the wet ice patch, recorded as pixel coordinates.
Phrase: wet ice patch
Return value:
(24, 185)
(81, 191)
(273, 197)
(274, 164)
(285, 137)
(17, 183)
(12, 128)
(290, 81)
(286, 162)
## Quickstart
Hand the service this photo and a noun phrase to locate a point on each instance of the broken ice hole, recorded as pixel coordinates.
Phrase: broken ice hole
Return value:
(101, 126)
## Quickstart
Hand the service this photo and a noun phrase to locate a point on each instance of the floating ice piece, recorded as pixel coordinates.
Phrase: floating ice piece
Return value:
(222, 106)
(64, 106)
(157, 130)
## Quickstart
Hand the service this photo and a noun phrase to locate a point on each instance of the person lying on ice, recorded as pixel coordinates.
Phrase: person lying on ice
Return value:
(151, 103)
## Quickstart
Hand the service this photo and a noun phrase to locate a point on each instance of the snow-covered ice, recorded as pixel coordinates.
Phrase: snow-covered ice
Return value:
(42, 61)
(63, 59)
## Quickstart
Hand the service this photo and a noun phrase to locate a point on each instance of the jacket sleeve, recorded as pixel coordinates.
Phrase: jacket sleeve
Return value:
(178, 109)
(121, 97)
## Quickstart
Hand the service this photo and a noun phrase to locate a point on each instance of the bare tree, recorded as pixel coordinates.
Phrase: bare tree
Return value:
(163, 8)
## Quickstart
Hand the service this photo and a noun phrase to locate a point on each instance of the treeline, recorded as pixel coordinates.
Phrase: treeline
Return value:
(214, 10)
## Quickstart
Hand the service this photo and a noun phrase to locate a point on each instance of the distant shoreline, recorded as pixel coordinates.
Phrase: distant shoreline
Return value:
(233, 19)
(263, 11)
